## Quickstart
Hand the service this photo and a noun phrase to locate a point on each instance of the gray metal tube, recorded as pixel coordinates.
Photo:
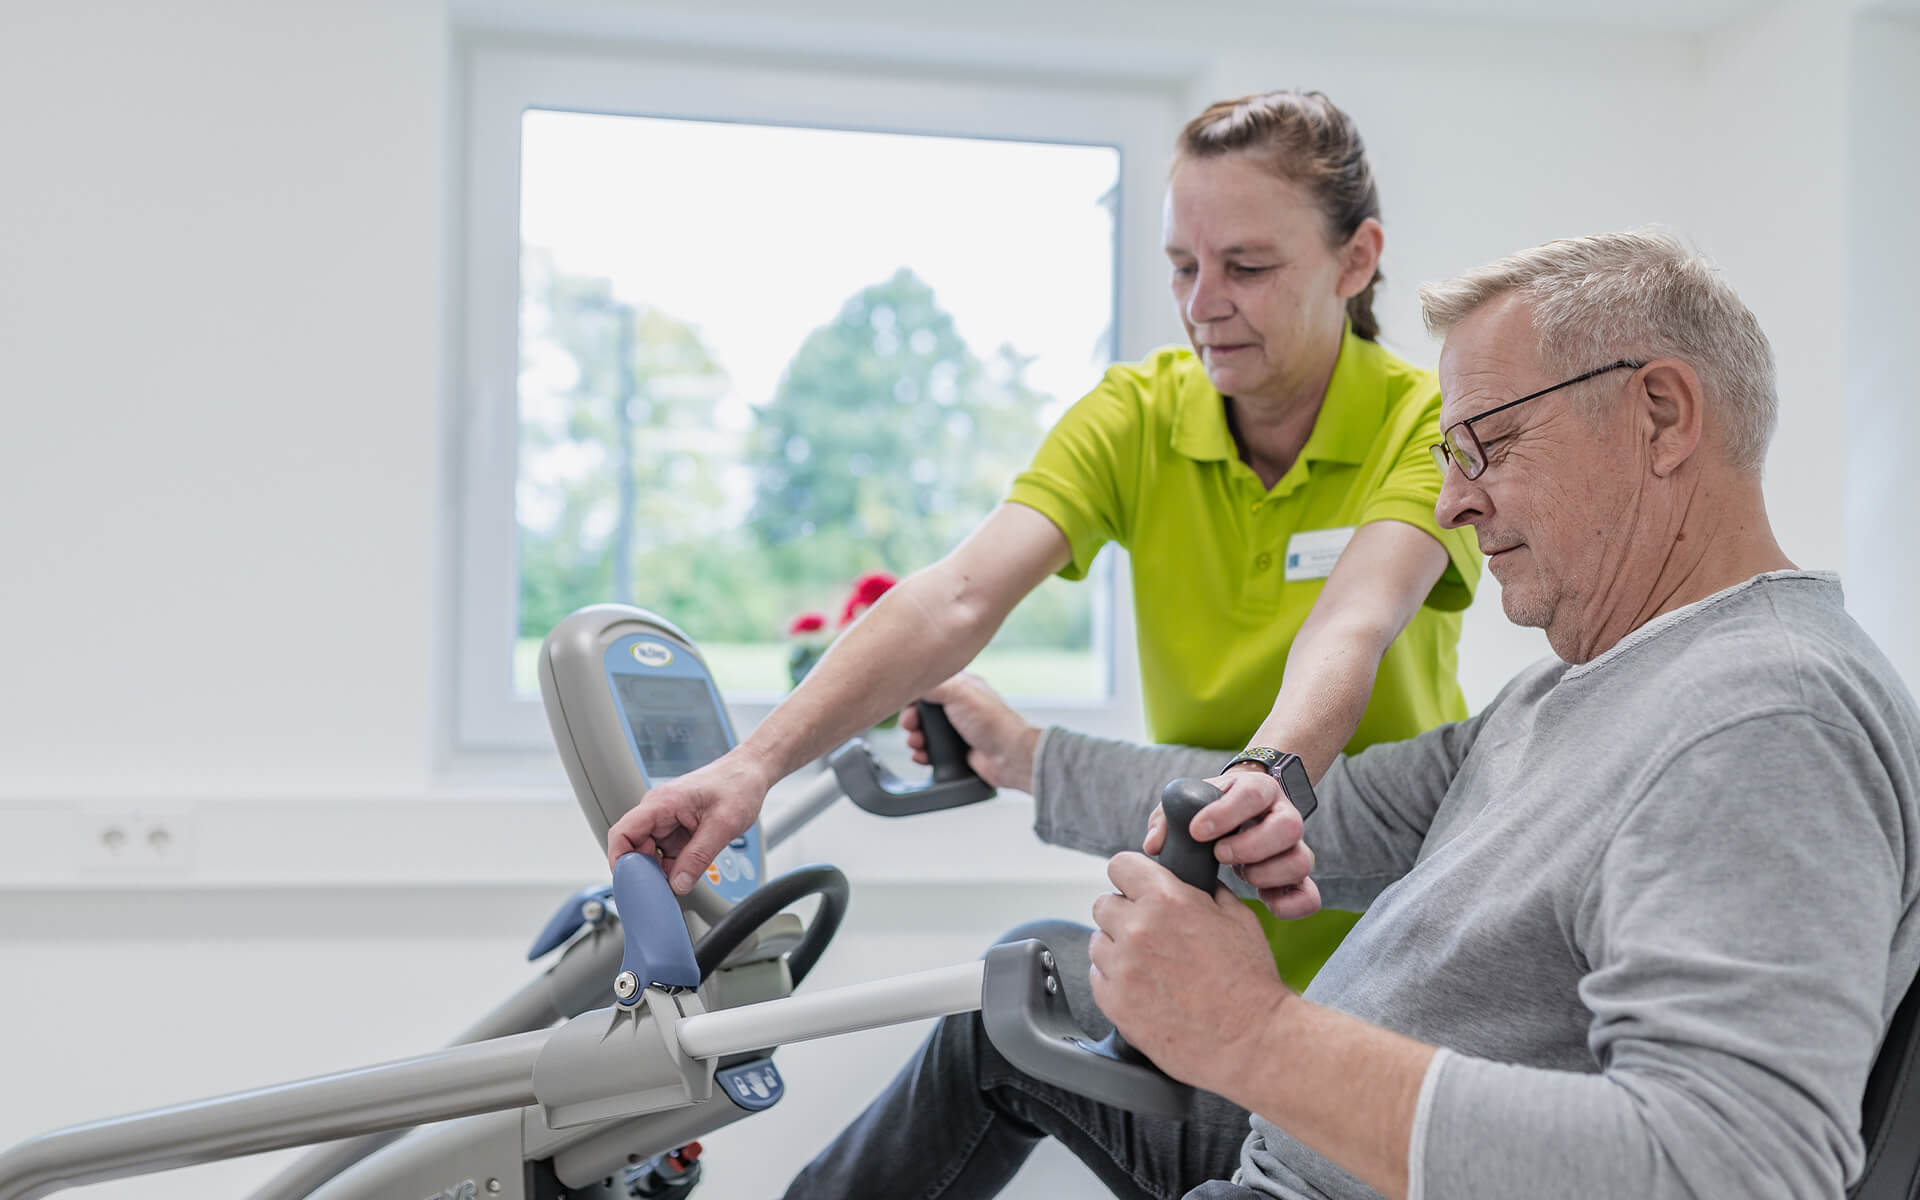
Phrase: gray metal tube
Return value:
(577, 983)
(817, 797)
(940, 992)
(308, 1172)
(432, 1087)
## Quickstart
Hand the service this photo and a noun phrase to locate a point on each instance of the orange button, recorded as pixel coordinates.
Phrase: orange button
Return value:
(713, 872)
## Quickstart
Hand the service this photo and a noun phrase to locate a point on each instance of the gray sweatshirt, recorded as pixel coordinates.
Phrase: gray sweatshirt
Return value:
(1657, 909)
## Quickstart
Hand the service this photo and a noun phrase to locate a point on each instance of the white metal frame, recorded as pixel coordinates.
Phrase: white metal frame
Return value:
(502, 81)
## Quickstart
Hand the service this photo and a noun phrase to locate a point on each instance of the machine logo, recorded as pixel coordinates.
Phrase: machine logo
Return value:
(466, 1189)
(652, 654)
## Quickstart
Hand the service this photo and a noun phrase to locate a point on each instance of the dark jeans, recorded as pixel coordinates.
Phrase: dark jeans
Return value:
(957, 1122)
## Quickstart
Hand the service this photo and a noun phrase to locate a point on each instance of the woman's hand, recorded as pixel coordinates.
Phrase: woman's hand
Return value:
(1260, 838)
(1000, 742)
(687, 821)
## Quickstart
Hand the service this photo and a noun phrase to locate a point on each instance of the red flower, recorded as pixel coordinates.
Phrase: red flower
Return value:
(807, 622)
(866, 589)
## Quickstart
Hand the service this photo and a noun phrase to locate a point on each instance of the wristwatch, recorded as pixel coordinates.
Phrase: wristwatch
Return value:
(1287, 768)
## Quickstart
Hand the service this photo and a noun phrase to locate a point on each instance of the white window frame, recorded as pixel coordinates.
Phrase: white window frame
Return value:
(503, 81)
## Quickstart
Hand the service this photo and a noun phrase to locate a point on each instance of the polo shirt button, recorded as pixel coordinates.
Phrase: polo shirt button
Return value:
(1264, 561)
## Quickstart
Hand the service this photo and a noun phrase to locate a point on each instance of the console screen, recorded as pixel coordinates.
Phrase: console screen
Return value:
(674, 723)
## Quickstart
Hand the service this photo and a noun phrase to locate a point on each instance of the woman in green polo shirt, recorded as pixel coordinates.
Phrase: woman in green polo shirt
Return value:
(1272, 483)
(1274, 487)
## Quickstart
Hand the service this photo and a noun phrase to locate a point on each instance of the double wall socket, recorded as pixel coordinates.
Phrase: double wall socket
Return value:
(136, 841)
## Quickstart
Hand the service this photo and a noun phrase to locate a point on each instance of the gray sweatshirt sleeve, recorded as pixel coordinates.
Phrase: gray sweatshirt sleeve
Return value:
(1736, 929)
(1095, 794)
(1376, 808)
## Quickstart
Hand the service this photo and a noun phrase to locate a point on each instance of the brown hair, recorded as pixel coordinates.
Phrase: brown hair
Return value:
(1301, 137)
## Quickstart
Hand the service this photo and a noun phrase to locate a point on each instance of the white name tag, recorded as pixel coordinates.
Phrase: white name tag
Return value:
(1312, 553)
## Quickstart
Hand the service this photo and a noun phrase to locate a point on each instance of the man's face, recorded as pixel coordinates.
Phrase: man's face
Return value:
(1252, 274)
(1561, 495)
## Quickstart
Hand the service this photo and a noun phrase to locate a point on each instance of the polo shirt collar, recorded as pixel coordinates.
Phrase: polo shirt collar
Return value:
(1352, 414)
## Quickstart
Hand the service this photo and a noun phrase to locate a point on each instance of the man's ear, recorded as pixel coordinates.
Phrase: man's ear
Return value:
(1675, 413)
(1360, 258)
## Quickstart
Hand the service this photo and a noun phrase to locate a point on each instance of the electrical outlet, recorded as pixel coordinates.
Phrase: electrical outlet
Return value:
(136, 842)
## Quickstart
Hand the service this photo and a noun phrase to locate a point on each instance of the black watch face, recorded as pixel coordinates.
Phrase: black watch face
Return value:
(1292, 774)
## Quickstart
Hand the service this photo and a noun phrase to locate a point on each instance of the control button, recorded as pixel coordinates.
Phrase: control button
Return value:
(713, 872)
(1263, 561)
(753, 1085)
(747, 870)
(729, 866)
(739, 843)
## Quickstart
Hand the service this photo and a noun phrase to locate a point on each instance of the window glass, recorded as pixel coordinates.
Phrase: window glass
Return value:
(760, 362)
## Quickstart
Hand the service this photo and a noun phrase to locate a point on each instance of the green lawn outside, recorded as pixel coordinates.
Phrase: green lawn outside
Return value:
(762, 667)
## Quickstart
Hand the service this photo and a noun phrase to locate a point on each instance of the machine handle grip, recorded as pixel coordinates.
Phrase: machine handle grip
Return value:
(946, 749)
(1023, 1004)
(659, 953)
(1190, 860)
(877, 790)
(1192, 863)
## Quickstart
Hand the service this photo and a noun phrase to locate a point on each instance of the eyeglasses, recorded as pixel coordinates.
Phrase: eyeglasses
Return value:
(1461, 446)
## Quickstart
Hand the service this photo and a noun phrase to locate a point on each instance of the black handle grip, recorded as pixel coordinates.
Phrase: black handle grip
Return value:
(946, 749)
(952, 783)
(1027, 1018)
(1190, 860)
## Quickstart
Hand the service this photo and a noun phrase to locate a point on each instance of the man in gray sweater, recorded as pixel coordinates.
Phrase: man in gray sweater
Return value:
(1634, 930)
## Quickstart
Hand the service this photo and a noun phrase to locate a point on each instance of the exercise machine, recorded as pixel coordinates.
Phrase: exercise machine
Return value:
(658, 1017)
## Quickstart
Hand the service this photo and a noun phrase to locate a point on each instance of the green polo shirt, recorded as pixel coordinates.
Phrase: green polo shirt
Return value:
(1146, 460)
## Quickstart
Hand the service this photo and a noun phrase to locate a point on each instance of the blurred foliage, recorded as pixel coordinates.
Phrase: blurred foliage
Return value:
(885, 442)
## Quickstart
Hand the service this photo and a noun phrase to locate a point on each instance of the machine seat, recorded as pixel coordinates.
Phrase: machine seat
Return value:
(1890, 1111)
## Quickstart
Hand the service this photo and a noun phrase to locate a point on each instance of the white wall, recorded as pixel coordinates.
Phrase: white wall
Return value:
(1769, 203)
(221, 353)
(222, 264)
(1883, 399)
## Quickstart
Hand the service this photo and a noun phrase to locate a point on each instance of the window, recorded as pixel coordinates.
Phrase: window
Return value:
(726, 352)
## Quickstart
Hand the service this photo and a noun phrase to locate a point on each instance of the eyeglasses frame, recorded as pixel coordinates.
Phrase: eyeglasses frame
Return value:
(1443, 449)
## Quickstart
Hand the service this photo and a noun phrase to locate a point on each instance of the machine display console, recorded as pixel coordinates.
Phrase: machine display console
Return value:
(675, 723)
(631, 706)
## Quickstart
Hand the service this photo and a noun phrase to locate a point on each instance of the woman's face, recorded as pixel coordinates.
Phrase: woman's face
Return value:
(1259, 290)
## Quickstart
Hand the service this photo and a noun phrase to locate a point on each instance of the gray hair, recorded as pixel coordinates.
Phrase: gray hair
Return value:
(1639, 295)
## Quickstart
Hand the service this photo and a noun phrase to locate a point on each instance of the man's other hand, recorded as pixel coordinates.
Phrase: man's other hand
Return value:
(1000, 741)
(1265, 846)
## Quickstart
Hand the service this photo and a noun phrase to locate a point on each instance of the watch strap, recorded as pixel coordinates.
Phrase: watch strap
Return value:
(1266, 756)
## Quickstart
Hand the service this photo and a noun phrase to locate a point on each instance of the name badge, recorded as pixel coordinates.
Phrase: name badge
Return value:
(1312, 553)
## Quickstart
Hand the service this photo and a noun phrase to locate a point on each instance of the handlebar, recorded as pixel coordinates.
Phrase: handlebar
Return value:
(953, 784)
(1024, 1007)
